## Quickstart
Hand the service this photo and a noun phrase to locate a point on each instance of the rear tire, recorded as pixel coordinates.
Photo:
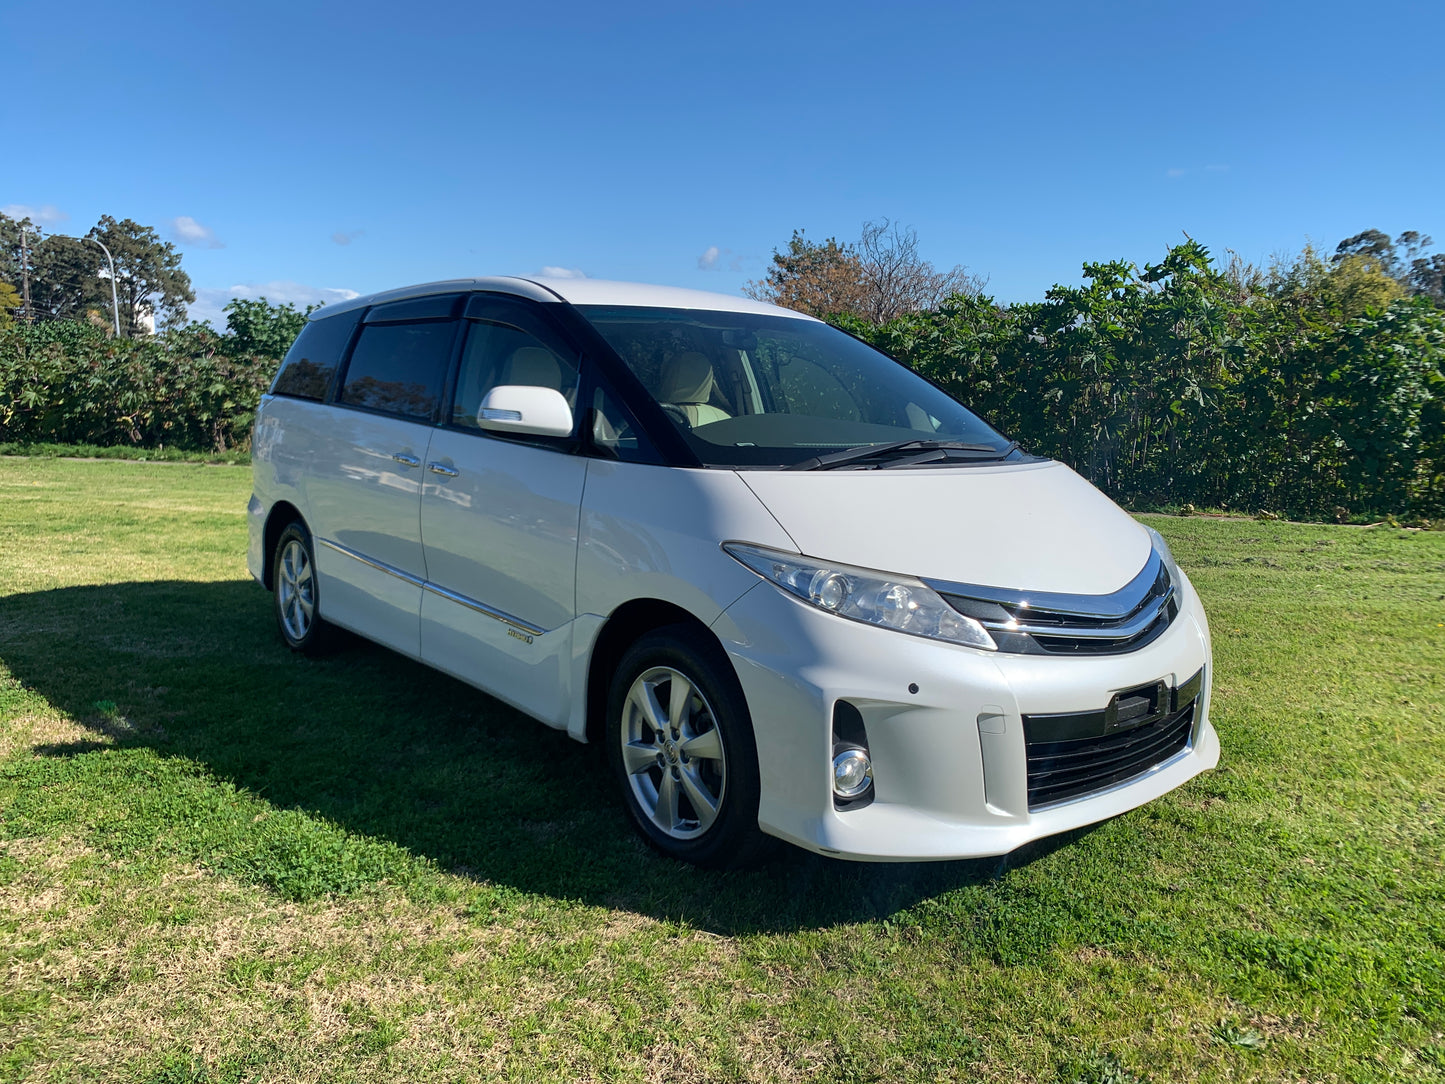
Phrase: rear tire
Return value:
(680, 742)
(296, 595)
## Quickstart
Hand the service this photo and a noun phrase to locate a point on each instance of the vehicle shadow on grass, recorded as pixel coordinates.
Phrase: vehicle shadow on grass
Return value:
(391, 750)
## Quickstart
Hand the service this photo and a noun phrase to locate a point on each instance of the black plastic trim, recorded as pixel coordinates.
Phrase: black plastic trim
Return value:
(1074, 754)
(414, 309)
(850, 732)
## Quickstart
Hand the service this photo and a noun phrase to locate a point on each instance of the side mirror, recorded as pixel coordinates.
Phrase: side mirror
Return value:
(519, 408)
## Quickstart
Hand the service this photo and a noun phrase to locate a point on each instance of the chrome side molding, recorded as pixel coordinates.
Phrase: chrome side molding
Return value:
(426, 585)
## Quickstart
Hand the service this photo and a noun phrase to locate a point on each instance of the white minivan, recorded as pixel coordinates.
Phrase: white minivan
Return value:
(792, 587)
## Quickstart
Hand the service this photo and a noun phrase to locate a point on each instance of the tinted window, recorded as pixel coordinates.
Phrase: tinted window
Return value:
(311, 362)
(501, 354)
(510, 346)
(615, 434)
(748, 389)
(399, 368)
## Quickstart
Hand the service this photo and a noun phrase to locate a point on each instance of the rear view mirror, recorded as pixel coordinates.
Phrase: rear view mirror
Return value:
(518, 408)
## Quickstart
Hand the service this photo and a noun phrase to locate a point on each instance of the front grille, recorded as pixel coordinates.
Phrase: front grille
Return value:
(1079, 753)
(1035, 623)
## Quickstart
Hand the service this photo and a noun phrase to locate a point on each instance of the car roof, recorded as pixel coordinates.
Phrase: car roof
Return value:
(577, 291)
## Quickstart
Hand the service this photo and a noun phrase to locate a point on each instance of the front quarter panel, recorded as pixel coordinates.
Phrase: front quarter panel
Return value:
(657, 533)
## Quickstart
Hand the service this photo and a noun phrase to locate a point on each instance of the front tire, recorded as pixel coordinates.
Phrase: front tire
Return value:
(296, 595)
(681, 745)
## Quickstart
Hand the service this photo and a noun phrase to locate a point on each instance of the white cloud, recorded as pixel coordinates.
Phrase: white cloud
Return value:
(188, 231)
(563, 273)
(45, 215)
(712, 260)
(1175, 172)
(210, 302)
(345, 237)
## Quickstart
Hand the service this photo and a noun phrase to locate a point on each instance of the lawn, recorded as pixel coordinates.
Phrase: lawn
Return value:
(221, 862)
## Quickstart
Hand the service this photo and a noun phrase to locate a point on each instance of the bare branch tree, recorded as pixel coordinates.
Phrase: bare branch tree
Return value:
(898, 280)
(880, 278)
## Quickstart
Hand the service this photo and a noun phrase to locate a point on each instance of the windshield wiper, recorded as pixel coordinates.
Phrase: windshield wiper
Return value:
(865, 452)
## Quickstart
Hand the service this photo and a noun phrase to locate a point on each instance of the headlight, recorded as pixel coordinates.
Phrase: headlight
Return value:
(1162, 548)
(859, 594)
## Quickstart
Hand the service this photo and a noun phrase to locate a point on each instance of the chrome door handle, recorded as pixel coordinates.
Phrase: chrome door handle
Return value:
(442, 469)
(406, 460)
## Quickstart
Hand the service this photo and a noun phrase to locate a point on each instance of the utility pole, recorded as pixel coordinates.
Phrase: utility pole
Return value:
(114, 301)
(25, 274)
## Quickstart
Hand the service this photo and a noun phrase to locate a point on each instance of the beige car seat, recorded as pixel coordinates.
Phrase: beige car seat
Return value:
(533, 367)
(687, 384)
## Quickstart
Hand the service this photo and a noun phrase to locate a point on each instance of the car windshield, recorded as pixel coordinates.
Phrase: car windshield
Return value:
(756, 390)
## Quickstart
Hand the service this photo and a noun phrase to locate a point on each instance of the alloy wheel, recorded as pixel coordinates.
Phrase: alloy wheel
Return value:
(673, 753)
(296, 590)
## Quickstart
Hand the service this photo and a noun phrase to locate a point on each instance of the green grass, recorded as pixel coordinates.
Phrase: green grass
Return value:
(221, 862)
(44, 450)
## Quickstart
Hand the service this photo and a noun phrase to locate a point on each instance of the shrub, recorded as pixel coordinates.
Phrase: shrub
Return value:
(71, 383)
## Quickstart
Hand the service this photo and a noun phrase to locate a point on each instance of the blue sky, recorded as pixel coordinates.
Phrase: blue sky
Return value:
(298, 149)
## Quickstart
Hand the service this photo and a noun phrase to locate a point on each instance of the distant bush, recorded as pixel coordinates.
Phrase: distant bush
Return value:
(1315, 391)
(1187, 384)
(68, 382)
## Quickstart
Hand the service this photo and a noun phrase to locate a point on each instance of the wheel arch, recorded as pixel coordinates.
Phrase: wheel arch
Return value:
(282, 514)
(630, 621)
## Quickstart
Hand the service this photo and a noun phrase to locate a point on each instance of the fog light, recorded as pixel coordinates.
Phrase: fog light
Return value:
(852, 773)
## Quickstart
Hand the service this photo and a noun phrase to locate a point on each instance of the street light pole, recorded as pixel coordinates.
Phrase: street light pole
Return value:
(114, 300)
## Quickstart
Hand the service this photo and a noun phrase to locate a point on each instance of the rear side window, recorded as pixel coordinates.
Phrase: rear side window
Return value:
(311, 362)
(400, 368)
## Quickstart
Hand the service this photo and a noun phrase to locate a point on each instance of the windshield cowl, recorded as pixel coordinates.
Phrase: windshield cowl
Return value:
(906, 453)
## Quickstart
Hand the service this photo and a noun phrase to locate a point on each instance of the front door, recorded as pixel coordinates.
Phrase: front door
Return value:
(499, 523)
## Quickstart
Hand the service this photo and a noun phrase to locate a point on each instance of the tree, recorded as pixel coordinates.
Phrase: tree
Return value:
(261, 329)
(819, 278)
(1360, 284)
(18, 238)
(65, 282)
(149, 279)
(1346, 286)
(9, 302)
(1421, 274)
(68, 275)
(878, 279)
(1372, 244)
(1426, 278)
(10, 247)
(898, 280)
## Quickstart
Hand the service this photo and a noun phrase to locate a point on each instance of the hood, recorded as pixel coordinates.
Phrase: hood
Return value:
(1030, 526)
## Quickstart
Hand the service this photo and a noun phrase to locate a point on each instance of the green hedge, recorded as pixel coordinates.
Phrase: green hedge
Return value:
(1178, 384)
(70, 383)
(1181, 384)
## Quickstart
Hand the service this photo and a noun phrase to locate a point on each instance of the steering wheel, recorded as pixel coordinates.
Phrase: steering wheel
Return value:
(675, 412)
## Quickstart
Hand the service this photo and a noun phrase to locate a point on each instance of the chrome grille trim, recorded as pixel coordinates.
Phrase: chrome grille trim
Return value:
(1052, 623)
(1119, 604)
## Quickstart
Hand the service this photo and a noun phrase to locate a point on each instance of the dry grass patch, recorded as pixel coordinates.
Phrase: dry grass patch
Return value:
(222, 969)
(24, 732)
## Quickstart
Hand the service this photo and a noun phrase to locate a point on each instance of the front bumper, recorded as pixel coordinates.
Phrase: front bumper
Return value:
(949, 761)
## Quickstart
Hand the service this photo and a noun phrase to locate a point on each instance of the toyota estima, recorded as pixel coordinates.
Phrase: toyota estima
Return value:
(793, 588)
